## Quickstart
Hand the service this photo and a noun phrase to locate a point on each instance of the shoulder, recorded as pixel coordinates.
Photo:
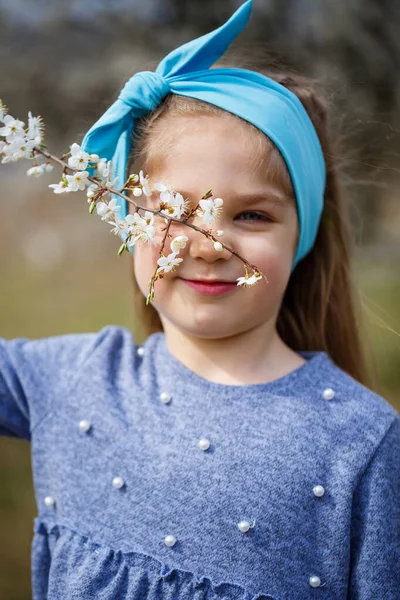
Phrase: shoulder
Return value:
(79, 347)
(359, 417)
(35, 372)
(75, 346)
(77, 354)
(359, 399)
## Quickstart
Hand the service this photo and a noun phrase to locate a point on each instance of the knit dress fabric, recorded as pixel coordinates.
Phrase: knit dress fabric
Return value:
(155, 483)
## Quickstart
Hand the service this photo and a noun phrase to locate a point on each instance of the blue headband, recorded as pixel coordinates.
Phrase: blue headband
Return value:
(271, 107)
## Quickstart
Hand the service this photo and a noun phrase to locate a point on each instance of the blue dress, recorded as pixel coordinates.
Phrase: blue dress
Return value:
(152, 482)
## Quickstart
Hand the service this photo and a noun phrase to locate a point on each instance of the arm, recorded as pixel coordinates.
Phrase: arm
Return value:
(14, 408)
(375, 526)
(33, 374)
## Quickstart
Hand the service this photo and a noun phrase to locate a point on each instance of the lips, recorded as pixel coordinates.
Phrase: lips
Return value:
(208, 281)
(210, 288)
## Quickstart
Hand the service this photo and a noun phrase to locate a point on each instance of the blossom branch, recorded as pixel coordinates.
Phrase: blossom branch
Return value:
(157, 274)
(157, 212)
(28, 143)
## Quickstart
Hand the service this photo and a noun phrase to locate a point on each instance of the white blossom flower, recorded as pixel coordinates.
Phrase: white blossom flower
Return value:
(148, 217)
(249, 280)
(147, 230)
(78, 159)
(48, 167)
(104, 168)
(131, 241)
(36, 171)
(8, 154)
(61, 188)
(35, 129)
(183, 206)
(21, 148)
(78, 181)
(5, 152)
(178, 243)
(120, 226)
(177, 207)
(145, 183)
(167, 263)
(147, 235)
(108, 211)
(13, 128)
(167, 192)
(135, 222)
(209, 209)
(142, 229)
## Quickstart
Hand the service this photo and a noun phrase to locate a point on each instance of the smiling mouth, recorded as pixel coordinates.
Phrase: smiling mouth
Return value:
(210, 289)
(209, 281)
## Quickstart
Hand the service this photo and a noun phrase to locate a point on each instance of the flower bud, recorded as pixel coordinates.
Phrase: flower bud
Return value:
(35, 171)
(218, 246)
(121, 249)
(92, 207)
(137, 192)
(94, 158)
(134, 178)
(219, 232)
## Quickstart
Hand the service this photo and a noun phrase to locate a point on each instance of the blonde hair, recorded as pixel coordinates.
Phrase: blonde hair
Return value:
(321, 308)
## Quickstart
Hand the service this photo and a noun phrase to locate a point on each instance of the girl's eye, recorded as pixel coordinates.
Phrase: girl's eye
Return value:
(261, 216)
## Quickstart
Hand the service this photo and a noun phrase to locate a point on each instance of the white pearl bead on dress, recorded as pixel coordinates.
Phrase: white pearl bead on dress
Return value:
(170, 540)
(165, 397)
(204, 444)
(49, 501)
(244, 526)
(315, 581)
(140, 351)
(328, 394)
(319, 491)
(118, 482)
(84, 426)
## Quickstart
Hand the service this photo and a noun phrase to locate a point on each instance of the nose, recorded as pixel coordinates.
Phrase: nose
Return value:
(202, 247)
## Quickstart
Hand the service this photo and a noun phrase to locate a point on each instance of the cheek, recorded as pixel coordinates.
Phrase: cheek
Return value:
(272, 252)
(145, 261)
(261, 249)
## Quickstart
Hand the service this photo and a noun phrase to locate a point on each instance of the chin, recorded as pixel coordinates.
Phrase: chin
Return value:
(208, 329)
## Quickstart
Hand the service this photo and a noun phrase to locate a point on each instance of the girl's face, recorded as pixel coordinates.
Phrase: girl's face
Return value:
(263, 228)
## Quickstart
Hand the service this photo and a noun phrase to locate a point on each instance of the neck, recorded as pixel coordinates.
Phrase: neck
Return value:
(254, 356)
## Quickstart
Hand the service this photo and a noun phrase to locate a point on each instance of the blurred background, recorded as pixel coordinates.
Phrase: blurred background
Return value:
(59, 269)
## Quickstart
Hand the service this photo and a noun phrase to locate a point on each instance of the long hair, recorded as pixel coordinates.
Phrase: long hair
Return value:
(321, 308)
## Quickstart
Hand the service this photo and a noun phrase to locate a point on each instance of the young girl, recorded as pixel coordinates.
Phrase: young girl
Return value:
(236, 454)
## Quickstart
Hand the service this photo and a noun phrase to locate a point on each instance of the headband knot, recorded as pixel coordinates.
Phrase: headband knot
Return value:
(258, 99)
(144, 91)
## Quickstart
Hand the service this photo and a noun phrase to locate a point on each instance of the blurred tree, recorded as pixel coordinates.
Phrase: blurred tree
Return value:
(71, 58)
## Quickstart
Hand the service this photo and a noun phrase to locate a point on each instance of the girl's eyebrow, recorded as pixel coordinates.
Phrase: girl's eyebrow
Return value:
(259, 198)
